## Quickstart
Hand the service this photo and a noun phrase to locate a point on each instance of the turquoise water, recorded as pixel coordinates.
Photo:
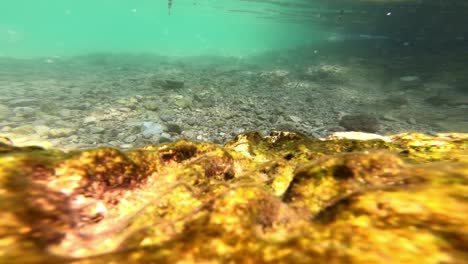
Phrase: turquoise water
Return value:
(67, 27)
(227, 28)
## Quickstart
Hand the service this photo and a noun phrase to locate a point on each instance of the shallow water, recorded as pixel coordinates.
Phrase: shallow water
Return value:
(90, 73)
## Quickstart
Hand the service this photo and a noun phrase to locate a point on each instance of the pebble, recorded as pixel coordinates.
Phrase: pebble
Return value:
(166, 117)
(24, 129)
(24, 111)
(173, 128)
(189, 134)
(4, 111)
(295, 119)
(150, 129)
(130, 139)
(60, 132)
(42, 130)
(191, 122)
(124, 109)
(63, 123)
(388, 117)
(65, 113)
(97, 130)
(151, 105)
(164, 140)
(89, 119)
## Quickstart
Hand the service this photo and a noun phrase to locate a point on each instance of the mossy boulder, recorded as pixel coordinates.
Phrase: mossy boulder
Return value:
(284, 198)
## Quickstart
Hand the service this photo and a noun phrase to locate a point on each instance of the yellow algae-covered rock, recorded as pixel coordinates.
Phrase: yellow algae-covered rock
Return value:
(284, 198)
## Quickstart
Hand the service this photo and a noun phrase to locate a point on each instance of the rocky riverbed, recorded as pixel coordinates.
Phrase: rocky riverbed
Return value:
(128, 101)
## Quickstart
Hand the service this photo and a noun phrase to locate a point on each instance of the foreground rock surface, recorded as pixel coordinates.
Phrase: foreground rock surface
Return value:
(281, 198)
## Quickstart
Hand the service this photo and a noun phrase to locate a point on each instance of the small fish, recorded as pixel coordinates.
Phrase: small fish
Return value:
(169, 5)
(340, 15)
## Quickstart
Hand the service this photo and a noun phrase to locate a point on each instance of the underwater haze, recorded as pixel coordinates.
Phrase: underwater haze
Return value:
(66, 27)
(127, 73)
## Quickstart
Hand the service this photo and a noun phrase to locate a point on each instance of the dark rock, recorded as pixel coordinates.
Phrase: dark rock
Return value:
(151, 105)
(164, 140)
(166, 116)
(447, 99)
(166, 84)
(173, 128)
(360, 123)
(287, 126)
(190, 122)
(171, 84)
(437, 100)
(397, 101)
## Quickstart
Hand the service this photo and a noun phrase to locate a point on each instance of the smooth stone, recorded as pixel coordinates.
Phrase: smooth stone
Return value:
(60, 132)
(190, 122)
(65, 113)
(130, 139)
(388, 117)
(42, 130)
(412, 121)
(81, 106)
(63, 123)
(166, 117)
(151, 105)
(89, 119)
(24, 111)
(124, 109)
(24, 129)
(189, 134)
(164, 140)
(295, 119)
(149, 129)
(97, 130)
(4, 111)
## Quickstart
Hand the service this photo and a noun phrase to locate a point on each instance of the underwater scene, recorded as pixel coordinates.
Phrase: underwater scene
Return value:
(234, 131)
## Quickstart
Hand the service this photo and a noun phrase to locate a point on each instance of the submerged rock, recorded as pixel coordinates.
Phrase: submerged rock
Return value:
(284, 198)
(360, 123)
(173, 128)
(166, 84)
(151, 105)
(4, 112)
(149, 129)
